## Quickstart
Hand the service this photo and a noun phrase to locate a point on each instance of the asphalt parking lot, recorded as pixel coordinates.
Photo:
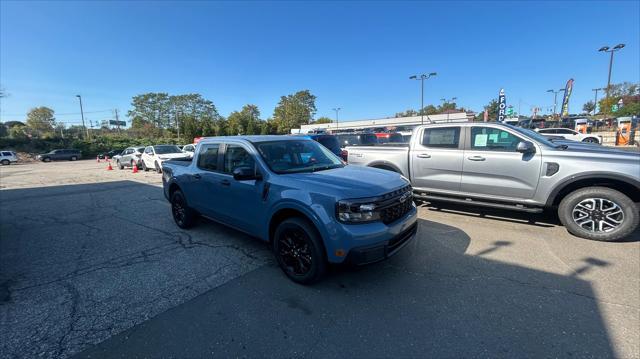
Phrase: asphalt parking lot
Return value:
(92, 265)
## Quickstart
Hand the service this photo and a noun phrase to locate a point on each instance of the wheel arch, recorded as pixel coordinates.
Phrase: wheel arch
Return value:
(625, 185)
(384, 165)
(288, 212)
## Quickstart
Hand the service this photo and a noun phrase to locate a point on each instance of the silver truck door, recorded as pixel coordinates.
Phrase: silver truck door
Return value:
(436, 159)
(493, 167)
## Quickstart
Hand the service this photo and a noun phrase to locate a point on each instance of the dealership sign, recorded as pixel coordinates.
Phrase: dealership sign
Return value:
(502, 106)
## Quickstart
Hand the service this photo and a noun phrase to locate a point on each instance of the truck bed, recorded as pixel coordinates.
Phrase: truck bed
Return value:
(389, 156)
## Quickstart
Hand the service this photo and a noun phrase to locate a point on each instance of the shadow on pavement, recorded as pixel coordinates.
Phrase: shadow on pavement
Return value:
(431, 300)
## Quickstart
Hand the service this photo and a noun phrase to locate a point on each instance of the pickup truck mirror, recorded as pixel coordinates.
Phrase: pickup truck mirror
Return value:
(246, 174)
(525, 147)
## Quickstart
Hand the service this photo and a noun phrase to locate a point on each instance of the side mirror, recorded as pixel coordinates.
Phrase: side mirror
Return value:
(246, 174)
(525, 147)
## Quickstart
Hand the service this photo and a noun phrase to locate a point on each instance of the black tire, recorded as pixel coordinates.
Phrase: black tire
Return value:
(46, 159)
(299, 251)
(5, 162)
(157, 167)
(592, 212)
(120, 165)
(591, 140)
(73, 158)
(183, 215)
(144, 167)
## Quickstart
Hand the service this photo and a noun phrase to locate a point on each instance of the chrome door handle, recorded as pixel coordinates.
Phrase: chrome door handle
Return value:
(476, 158)
(423, 155)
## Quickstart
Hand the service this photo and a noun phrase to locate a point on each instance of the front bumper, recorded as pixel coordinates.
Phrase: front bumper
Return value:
(378, 252)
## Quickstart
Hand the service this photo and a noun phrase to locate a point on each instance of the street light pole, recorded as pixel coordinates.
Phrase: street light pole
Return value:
(337, 109)
(555, 99)
(82, 115)
(595, 100)
(422, 78)
(611, 50)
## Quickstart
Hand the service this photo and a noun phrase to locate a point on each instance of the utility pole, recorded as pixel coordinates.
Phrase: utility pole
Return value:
(595, 100)
(82, 114)
(337, 109)
(422, 78)
(607, 49)
(178, 125)
(555, 99)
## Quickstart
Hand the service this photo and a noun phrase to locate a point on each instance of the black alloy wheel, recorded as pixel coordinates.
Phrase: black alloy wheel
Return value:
(299, 250)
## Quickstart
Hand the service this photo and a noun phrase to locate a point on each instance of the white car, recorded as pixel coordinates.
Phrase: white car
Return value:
(189, 150)
(570, 134)
(8, 157)
(153, 156)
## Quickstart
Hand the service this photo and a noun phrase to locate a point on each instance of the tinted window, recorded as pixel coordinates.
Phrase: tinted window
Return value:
(443, 137)
(148, 150)
(547, 131)
(208, 157)
(565, 131)
(6, 153)
(237, 156)
(493, 139)
(166, 149)
(330, 142)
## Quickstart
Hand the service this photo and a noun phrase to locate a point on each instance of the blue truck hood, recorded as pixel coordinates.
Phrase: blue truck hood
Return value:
(350, 181)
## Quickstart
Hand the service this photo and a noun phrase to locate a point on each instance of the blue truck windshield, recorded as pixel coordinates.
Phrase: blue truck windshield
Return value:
(297, 156)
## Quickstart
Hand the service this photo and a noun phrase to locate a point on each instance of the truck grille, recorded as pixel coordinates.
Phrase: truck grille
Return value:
(395, 205)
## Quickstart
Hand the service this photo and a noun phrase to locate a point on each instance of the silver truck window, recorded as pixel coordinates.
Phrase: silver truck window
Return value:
(493, 139)
(442, 137)
(208, 157)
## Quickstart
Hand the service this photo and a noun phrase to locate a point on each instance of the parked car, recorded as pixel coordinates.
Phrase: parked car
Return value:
(357, 139)
(153, 156)
(111, 154)
(592, 188)
(129, 157)
(60, 155)
(570, 134)
(189, 149)
(297, 195)
(8, 157)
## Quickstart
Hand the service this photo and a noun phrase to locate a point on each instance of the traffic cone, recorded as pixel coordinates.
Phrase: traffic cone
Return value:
(135, 168)
(109, 168)
(98, 159)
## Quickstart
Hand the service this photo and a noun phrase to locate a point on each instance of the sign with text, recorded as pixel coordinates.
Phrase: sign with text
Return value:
(502, 106)
(117, 123)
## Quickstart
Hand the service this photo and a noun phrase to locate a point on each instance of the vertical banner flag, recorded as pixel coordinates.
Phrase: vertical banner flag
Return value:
(502, 106)
(565, 100)
(486, 115)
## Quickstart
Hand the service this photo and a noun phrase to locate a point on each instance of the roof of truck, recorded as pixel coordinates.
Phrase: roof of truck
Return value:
(256, 138)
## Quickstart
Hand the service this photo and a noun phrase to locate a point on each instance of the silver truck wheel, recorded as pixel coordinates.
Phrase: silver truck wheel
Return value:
(5, 162)
(598, 213)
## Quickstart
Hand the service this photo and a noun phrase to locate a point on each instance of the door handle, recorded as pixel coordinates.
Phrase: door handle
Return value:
(423, 155)
(225, 183)
(197, 176)
(476, 158)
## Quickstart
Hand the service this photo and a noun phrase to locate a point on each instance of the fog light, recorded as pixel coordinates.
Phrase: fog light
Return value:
(340, 253)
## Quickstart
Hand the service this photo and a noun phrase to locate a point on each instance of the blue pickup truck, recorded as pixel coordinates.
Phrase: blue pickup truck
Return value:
(297, 195)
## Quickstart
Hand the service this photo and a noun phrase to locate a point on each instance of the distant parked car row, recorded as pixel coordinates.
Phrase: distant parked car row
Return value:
(60, 155)
(8, 157)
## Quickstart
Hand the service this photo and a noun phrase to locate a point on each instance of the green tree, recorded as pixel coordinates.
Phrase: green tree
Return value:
(153, 108)
(294, 110)
(245, 121)
(4, 132)
(40, 120)
(322, 120)
(18, 132)
(407, 113)
(632, 109)
(492, 109)
(589, 106)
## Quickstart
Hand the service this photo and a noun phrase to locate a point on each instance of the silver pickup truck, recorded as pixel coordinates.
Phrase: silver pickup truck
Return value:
(594, 189)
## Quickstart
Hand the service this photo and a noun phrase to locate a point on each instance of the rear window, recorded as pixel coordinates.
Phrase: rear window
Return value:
(330, 142)
(443, 137)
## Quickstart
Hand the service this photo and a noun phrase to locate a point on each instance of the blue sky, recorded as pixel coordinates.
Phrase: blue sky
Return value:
(354, 55)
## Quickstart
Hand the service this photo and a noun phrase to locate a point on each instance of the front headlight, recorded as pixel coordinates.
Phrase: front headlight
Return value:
(356, 212)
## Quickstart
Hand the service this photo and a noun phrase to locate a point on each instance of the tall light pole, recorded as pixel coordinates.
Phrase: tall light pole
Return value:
(555, 99)
(82, 114)
(445, 101)
(595, 100)
(337, 109)
(422, 78)
(607, 49)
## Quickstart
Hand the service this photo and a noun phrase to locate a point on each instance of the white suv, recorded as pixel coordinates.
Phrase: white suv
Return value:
(189, 150)
(8, 157)
(570, 134)
(153, 156)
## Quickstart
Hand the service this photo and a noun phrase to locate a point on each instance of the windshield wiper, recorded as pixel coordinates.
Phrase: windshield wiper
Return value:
(327, 167)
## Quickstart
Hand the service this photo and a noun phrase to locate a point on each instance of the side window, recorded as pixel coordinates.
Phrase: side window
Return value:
(237, 156)
(208, 157)
(6, 153)
(148, 150)
(493, 139)
(442, 137)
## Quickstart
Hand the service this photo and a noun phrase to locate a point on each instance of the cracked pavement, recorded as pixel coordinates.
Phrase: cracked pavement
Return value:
(93, 266)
